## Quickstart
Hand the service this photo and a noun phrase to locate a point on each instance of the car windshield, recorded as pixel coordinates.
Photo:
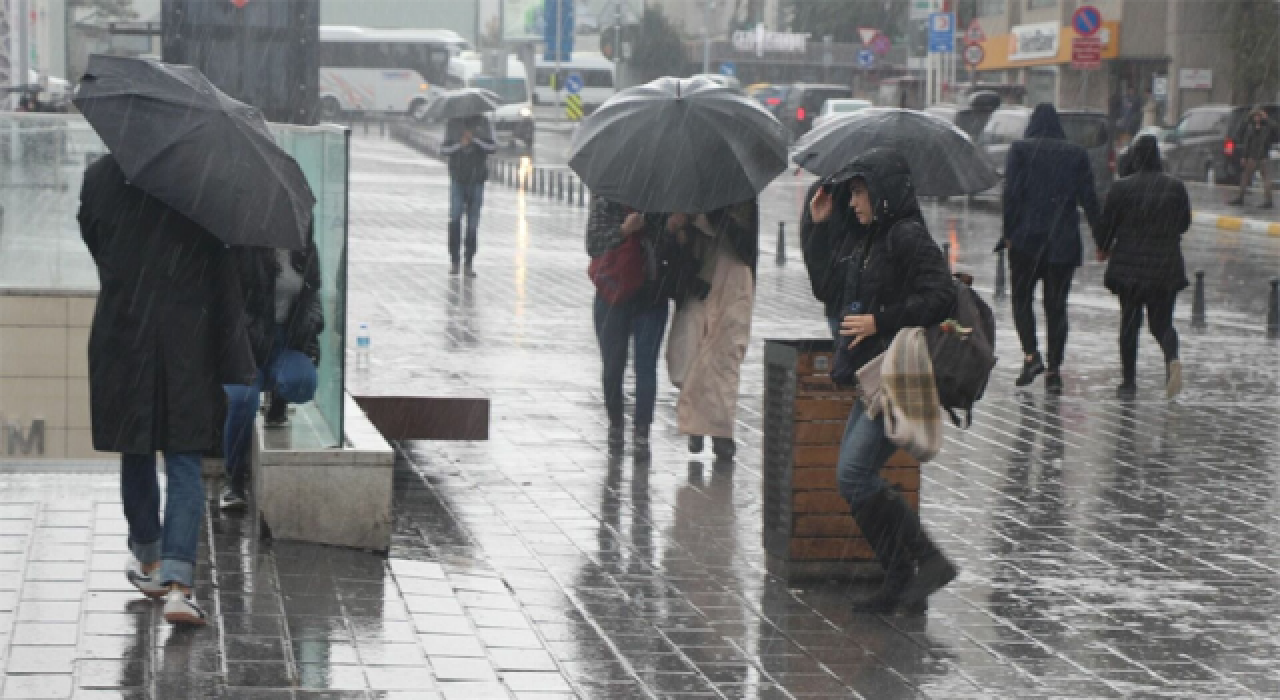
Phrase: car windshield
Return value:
(849, 106)
(511, 90)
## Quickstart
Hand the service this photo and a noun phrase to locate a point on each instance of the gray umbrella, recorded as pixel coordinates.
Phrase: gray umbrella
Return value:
(679, 146)
(467, 102)
(181, 140)
(944, 162)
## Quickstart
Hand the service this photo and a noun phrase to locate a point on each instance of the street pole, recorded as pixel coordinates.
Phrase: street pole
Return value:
(24, 46)
(707, 7)
(559, 41)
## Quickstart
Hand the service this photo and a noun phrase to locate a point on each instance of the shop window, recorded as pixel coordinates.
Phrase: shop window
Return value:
(1041, 4)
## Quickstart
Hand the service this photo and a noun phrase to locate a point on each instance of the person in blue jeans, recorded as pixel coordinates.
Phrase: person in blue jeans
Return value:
(467, 143)
(285, 319)
(168, 331)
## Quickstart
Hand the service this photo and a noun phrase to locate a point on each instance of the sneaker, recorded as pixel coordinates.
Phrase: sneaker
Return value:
(1030, 370)
(181, 609)
(145, 583)
(469, 271)
(1173, 385)
(1053, 382)
(232, 500)
(454, 269)
(278, 413)
(1127, 391)
(696, 443)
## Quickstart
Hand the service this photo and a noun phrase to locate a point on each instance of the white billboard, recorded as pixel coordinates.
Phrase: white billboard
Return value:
(522, 20)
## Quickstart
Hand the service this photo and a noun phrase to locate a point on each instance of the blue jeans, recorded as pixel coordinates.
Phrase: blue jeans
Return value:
(863, 451)
(175, 543)
(833, 322)
(289, 375)
(615, 327)
(468, 199)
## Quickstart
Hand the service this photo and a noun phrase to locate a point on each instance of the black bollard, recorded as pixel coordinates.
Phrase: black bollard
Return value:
(1273, 310)
(366, 126)
(1197, 302)
(382, 127)
(582, 194)
(570, 190)
(946, 254)
(782, 243)
(560, 186)
(1000, 275)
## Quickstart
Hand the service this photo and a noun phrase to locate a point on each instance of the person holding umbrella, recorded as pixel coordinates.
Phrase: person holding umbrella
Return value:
(168, 330)
(897, 278)
(468, 142)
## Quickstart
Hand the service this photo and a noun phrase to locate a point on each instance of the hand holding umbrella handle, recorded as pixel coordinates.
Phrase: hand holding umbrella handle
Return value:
(821, 205)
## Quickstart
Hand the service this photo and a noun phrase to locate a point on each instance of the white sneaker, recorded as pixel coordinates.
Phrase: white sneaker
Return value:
(1173, 385)
(181, 609)
(146, 583)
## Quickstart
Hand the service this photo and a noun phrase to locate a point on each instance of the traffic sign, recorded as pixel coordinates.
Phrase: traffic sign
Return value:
(573, 107)
(729, 68)
(974, 34)
(1086, 53)
(866, 58)
(881, 44)
(867, 35)
(973, 55)
(942, 32)
(573, 83)
(1087, 20)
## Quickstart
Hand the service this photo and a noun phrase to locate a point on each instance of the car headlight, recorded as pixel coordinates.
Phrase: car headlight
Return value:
(526, 112)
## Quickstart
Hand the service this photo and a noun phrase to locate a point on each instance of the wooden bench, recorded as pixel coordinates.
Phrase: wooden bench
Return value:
(809, 532)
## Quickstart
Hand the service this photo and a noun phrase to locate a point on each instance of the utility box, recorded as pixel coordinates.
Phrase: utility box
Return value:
(261, 52)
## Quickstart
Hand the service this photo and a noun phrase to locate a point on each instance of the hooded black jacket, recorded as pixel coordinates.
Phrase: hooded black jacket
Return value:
(1142, 225)
(904, 280)
(827, 246)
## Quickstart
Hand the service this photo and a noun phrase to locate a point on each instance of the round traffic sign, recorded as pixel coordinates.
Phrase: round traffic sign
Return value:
(1087, 20)
(573, 83)
(866, 58)
(973, 54)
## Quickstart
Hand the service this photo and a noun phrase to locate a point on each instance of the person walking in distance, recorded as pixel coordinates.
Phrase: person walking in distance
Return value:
(1260, 133)
(1047, 178)
(898, 278)
(1145, 216)
(167, 332)
(468, 141)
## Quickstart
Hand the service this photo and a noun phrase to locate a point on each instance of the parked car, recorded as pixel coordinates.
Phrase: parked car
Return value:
(771, 96)
(1202, 146)
(804, 103)
(835, 108)
(971, 120)
(1086, 128)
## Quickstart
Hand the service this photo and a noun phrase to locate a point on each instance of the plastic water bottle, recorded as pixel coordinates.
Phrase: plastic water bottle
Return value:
(363, 345)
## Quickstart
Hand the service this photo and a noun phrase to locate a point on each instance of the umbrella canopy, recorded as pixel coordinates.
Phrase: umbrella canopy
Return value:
(678, 145)
(211, 158)
(467, 102)
(944, 162)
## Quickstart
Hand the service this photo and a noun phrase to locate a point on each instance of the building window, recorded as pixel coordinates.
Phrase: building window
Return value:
(1041, 4)
(992, 8)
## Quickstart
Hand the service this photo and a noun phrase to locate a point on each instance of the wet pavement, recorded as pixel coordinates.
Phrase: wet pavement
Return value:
(1107, 549)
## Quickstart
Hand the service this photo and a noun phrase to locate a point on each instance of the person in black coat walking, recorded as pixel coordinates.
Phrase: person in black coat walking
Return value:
(1141, 233)
(167, 332)
(826, 249)
(1046, 179)
(468, 142)
(898, 278)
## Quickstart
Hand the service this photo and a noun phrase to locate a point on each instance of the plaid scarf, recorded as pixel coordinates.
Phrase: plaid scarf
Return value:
(900, 384)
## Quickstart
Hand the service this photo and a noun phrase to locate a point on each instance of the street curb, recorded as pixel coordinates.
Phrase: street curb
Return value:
(1237, 223)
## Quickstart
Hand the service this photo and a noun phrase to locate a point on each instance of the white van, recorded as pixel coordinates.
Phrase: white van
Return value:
(596, 71)
(514, 118)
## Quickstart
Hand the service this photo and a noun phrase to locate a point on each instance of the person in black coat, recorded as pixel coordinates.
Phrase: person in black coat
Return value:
(1047, 178)
(468, 143)
(1141, 233)
(167, 332)
(826, 249)
(898, 278)
(285, 318)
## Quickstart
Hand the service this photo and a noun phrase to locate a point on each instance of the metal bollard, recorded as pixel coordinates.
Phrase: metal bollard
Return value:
(382, 127)
(570, 192)
(1273, 310)
(782, 243)
(582, 194)
(1000, 276)
(560, 187)
(1197, 302)
(946, 254)
(366, 126)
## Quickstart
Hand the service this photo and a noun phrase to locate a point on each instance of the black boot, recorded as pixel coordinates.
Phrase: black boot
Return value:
(933, 569)
(724, 448)
(875, 521)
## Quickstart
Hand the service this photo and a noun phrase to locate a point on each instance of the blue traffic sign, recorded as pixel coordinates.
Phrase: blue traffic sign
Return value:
(729, 68)
(559, 40)
(573, 83)
(866, 58)
(942, 32)
(1087, 21)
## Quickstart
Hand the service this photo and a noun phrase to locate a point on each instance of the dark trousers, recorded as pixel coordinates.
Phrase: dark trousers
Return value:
(1026, 270)
(464, 199)
(615, 328)
(1159, 308)
(1263, 170)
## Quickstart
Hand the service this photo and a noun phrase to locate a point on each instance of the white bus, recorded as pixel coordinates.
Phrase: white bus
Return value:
(597, 78)
(394, 71)
(514, 119)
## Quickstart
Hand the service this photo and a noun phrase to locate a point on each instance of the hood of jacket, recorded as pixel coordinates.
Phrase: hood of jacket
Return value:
(889, 182)
(1145, 155)
(1045, 123)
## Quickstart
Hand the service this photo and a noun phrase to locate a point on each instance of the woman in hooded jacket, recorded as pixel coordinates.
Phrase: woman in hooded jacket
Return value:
(896, 278)
(1143, 220)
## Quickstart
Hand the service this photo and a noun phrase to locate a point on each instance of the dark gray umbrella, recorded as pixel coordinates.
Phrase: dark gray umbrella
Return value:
(467, 102)
(679, 146)
(944, 162)
(211, 158)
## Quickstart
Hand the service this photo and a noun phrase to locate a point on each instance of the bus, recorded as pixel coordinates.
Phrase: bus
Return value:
(390, 71)
(514, 119)
(597, 78)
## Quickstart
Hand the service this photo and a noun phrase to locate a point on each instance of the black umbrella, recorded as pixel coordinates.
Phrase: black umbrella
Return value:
(944, 162)
(679, 146)
(211, 158)
(467, 102)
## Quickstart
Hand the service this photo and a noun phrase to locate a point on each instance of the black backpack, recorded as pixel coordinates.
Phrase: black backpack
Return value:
(963, 350)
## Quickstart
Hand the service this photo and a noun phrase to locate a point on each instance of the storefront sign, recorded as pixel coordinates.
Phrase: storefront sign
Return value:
(1086, 53)
(759, 41)
(1194, 79)
(1033, 41)
(16, 442)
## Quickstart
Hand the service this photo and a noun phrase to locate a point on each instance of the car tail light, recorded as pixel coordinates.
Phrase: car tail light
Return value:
(799, 114)
(1229, 147)
(773, 101)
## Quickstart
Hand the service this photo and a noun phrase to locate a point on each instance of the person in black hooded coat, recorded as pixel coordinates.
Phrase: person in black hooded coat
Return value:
(826, 248)
(897, 278)
(1141, 233)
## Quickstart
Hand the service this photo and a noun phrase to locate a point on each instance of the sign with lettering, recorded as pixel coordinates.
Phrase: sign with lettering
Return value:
(759, 41)
(1029, 42)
